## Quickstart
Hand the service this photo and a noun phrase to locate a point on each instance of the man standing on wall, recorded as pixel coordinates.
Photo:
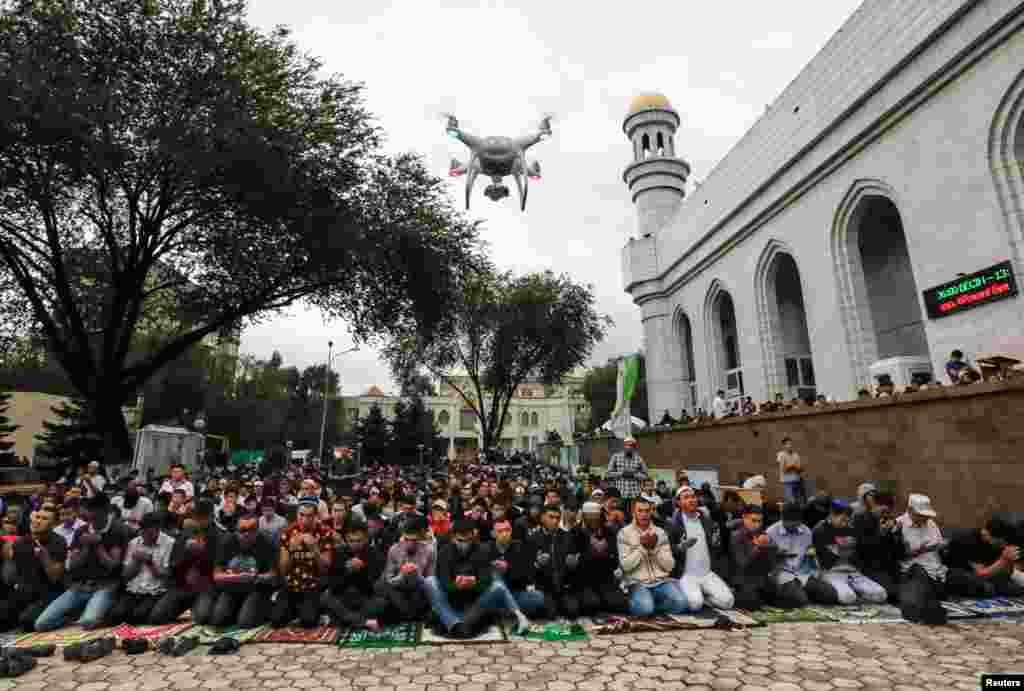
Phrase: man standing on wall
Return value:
(627, 471)
(791, 473)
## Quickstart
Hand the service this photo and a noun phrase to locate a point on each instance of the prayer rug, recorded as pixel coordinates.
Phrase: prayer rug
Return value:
(404, 635)
(494, 634)
(153, 634)
(993, 606)
(297, 634)
(778, 615)
(706, 619)
(62, 637)
(736, 618)
(865, 614)
(561, 630)
(211, 634)
(955, 611)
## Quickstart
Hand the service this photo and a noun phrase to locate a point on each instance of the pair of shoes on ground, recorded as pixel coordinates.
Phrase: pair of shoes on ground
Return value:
(88, 651)
(459, 632)
(176, 647)
(225, 646)
(134, 646)
(17, 661)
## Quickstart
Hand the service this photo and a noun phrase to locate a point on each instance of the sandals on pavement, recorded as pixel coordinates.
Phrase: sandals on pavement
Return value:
(225, 646)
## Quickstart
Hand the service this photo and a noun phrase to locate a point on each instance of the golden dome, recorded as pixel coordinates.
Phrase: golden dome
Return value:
(648, 101)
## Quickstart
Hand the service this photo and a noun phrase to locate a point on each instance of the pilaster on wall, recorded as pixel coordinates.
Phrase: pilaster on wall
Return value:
(664, 370)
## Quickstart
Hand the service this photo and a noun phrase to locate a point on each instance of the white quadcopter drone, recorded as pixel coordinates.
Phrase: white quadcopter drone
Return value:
(497, 157)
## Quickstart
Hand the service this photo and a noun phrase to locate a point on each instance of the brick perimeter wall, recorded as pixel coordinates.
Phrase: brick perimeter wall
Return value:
(964, 447)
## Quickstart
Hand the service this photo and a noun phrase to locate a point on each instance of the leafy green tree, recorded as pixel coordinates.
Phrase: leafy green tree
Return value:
(411, 426)
(504, 331)
(374, 432)
(166, 168)
(7, 456)
(74, 439)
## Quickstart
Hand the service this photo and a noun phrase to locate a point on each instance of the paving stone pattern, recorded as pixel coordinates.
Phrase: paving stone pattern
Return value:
(782, 657)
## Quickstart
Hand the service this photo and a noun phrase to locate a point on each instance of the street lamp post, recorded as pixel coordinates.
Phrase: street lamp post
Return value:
(327, 383)
(323, 418)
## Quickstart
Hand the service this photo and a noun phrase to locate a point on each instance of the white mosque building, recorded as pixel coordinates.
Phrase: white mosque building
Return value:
(870, 222)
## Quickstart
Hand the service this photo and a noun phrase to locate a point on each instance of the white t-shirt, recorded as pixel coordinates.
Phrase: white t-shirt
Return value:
(914, 538)
(144, 582)
(98, 482)
(718, 407)
(133, 516)
(698, 557)
(170, 485)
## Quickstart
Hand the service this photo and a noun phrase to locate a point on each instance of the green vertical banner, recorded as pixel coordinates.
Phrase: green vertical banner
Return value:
(622, 417)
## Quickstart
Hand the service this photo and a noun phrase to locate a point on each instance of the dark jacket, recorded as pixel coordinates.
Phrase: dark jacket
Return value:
(451, 563)
(828, 540)
(201, 562)
(553, 577)
(966, 547)
(520, 557)
(750, 562)
(596, 567)
(523, 530)
(676, 530)
(876, 550)
(340, 578)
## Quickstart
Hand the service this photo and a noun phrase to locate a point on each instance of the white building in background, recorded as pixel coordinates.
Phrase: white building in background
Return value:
(535, 409)
(872, 220)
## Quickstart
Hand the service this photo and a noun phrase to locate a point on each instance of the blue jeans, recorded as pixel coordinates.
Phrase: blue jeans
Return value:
(530, 601)
(794, 492)
(665, 598)
(494, 599)
(97, 605)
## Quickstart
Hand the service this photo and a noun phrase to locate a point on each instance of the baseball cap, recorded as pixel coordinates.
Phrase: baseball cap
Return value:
(440, 504)
(866, 488)
(921, 505)
(684, 490)
(840, 506)
(591, 507)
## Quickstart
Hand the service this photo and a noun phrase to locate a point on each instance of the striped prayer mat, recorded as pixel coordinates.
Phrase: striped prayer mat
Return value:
(297, 634)
(62, 637)
(153, 634)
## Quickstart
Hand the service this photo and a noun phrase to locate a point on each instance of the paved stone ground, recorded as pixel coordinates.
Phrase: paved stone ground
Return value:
(780, 657)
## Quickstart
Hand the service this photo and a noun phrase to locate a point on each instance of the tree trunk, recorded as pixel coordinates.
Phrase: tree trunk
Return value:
(117, 445)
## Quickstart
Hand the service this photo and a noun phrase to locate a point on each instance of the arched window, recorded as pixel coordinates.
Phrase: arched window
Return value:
(661, 144)
(646, 145)
(443, 418)
(534, 420)
(524, 419)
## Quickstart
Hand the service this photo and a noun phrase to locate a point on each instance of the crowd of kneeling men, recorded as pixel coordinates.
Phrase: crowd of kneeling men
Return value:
(520, 558)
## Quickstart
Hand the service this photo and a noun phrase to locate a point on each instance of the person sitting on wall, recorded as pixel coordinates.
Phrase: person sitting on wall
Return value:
(955, 366)
(667, 420)
(796, 580)
(885, 387)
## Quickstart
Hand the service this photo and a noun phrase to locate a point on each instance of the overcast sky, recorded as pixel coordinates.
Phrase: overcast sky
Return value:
(499, 66)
